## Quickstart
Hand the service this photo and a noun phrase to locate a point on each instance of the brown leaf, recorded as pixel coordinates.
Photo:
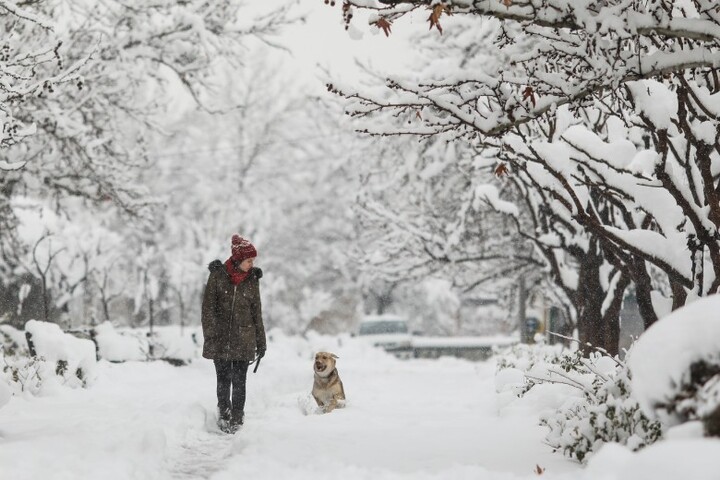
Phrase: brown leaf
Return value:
(507, 3)
(539, 470)
(434, 17)
(501, 170)
(383, 24)
(529, 93)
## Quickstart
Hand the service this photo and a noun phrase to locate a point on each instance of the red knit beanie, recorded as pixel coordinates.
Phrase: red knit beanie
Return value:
(242, 249)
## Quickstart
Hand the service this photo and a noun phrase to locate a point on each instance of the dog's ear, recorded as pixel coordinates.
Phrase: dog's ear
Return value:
(334, 356)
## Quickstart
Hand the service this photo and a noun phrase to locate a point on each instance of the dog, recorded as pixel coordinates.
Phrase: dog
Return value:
(328, 389)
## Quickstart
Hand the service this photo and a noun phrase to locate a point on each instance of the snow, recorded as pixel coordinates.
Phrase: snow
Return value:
(696, 459)
(115, 347)
(661, 358)
(171, 342)
(705, 131)
(54, 345)
(150, 420)
(5, 394)
(479, 341)
(14, 335)
(490, 195)
(415, 419)
(656, 101)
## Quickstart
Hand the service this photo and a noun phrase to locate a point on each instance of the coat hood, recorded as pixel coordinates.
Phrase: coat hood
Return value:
(217, 265)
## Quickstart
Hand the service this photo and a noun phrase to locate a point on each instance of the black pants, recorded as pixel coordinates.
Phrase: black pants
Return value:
(231, 375)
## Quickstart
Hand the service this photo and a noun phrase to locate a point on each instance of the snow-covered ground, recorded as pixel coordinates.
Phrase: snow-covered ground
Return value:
(414, 419)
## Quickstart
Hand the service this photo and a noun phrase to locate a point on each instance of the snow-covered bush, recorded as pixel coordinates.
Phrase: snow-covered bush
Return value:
(116, 347)
(606, 412)
(175, 345)
(169, 343)
(676, 366)
(602, 411)
(12, 341)
(60, 356)
(41, 358)
(19, 372)
(522, 358)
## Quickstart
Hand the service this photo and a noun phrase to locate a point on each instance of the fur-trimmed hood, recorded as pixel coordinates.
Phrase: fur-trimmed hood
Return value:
(217, 265)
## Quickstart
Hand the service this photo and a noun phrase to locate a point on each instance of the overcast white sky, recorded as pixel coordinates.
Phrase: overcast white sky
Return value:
(322, 42)
(320, 46)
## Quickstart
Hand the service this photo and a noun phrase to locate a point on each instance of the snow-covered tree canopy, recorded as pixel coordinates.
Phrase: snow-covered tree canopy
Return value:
(144, 57)
(31, 65)
(87, 84)
(558, 52)
(604, 115)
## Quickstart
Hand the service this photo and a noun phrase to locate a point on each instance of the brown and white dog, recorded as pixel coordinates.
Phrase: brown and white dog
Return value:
(327, 389)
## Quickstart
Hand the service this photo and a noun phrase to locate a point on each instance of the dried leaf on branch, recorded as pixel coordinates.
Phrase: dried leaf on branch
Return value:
(384, 25)
(529, 93)
(434, 17)
(501, 170)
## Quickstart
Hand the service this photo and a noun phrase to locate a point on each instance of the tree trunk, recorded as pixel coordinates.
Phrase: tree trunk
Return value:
(522, 317)
(611, 317)
(643, 289)
(594, 328)
(46, 300)
(679, 295)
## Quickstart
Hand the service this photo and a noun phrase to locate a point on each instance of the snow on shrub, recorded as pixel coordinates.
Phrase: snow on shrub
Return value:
(606, 412)
(12, 342)
(42, 357)
(169, 343)
(522, 358)
(72, 359)
(602, 411)
(20, 371)
(676, 366)
(116, 347)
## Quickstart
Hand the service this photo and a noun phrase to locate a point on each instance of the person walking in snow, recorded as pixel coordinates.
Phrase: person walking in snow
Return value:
(233, 327)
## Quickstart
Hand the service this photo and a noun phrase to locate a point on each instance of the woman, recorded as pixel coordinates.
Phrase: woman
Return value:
(233, 327)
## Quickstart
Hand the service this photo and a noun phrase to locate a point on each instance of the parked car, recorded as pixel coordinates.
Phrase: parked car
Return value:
(389, 332)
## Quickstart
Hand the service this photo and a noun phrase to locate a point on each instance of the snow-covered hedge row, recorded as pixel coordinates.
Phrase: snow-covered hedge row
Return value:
(602, 410)
(43, 357)
(170, 343)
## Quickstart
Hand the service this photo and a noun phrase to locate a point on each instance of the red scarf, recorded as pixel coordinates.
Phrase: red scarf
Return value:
(236, 276)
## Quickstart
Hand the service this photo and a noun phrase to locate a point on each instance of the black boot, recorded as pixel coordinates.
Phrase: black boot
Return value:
(223, 369)
(237, 420)
(224, 419)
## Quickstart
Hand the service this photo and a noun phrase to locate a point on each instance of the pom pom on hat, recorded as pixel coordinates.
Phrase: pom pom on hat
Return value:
(242, 249)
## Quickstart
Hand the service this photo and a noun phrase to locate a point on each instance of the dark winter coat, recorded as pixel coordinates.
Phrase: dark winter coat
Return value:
(232, 316)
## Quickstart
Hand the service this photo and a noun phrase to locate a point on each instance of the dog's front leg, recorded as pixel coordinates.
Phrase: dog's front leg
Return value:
(330, 406)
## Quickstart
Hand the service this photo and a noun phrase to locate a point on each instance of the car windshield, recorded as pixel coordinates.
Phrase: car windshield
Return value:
(383, 326)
